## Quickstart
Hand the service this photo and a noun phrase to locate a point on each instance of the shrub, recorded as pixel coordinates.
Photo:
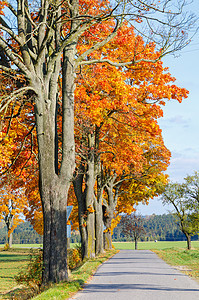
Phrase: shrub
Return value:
(6, 247)
(74, 257)
(32, 275)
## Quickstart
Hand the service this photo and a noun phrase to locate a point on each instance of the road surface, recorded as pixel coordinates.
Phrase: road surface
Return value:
(138, 275)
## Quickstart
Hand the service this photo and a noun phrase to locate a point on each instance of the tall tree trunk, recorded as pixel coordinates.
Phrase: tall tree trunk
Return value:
(85, 199)
(53, 186)
(90, 182)
(53, 191)
(80, 195)
(108, 216)
(108, 209)
(99, 226)
(107, 240)
(10, 240)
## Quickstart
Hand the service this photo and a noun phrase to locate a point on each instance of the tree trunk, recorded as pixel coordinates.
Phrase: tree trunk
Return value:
(10, 240)
(90, 182)
(188, 237)
(85, 200)
(107, 218)
(107, 241)
(9, 223)
(136, 244)
(99, 226)
(108, 211)
(53, 186)
(55, 234)
(77, 183)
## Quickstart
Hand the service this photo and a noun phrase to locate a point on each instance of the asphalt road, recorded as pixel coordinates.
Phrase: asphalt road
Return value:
(138, 275)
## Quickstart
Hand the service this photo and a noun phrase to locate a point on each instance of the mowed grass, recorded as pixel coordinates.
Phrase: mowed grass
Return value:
(11, 262)
(184, 260)
(23, 246)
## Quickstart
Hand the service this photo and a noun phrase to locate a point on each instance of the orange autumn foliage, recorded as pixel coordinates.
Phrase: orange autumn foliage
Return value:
(121, 104)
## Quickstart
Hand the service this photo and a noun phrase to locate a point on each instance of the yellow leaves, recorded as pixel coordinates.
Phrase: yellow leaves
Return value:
(115, 221)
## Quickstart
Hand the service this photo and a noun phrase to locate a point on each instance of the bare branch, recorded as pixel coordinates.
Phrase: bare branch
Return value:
(11, 8)
(99, 44)
(11, 97)
(13, 57)
(4, 26)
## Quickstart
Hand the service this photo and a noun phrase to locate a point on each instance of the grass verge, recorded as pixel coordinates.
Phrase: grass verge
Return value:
(63, 290)
(186, 261)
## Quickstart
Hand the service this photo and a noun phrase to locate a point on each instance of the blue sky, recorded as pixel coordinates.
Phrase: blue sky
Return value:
(180, 124)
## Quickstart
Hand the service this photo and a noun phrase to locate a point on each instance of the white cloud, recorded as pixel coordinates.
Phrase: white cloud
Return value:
(177, 120)
(183, 163)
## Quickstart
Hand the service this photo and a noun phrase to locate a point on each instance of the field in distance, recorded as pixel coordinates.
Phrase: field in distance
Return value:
(159, 245)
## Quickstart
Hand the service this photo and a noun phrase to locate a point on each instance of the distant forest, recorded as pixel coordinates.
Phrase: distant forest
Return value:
(23, 234)
(157, 227)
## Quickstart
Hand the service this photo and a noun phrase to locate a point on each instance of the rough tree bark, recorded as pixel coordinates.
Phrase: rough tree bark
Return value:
(109, 206)
(9, 221)
(99, 225)
(86, 200)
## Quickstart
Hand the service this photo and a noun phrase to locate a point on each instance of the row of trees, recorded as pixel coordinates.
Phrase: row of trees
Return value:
(83, 94)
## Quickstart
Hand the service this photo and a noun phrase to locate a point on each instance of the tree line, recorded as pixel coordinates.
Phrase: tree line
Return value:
(157, 227)
(24, 233)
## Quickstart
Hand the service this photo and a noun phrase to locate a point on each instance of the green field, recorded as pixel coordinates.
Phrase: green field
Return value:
(11, 262)
(27, 246)
(127, 245)
(160, 245)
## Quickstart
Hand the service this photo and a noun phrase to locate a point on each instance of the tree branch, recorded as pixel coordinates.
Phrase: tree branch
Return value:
(15, 94)
(13, 57)
(99, 44)
(4, 26)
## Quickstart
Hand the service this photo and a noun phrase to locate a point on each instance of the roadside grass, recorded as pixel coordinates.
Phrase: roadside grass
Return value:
(59, 291)
(184, 260)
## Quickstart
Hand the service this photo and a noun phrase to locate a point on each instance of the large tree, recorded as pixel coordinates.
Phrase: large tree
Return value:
(176, 195)
(38, 42)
